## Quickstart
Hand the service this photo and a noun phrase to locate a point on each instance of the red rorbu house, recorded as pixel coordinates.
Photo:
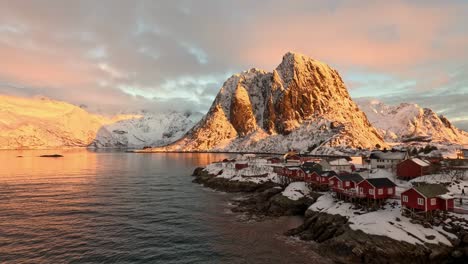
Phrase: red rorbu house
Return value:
(294, 173)
(412, 168)
(345, 184)
(427, 198)
(376, 189)
(324, 177)
(311, 176)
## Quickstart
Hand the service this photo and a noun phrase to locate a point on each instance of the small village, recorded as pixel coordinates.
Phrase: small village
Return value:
(429, 192)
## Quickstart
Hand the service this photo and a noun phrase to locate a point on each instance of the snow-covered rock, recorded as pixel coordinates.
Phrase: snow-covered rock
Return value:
(382, 222)
(410, 122)
(302, 104)
(296, 190)
(34, 123)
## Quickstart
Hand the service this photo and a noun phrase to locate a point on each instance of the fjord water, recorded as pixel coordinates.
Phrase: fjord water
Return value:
(117, 207)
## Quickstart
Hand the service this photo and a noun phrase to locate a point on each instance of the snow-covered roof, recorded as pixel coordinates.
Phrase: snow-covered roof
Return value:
(339, 162)
(446, 196)
(389, 155)
(420, 162)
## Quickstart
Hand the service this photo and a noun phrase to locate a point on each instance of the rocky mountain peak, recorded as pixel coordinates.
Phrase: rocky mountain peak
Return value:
(301, 98)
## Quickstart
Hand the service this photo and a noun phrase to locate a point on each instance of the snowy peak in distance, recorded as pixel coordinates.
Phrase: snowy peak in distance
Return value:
(38, 123)
(408, 122)
(302, 104)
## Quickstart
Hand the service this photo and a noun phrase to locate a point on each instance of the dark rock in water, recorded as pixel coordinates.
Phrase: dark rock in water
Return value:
(19, 156)
(51, 156)
(198, 171)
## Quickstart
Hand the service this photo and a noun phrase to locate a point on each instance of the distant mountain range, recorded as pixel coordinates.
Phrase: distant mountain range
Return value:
(303, 104)
(37, 123)
(410, 123)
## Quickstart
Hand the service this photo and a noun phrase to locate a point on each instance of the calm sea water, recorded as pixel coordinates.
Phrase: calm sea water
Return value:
(115, 207)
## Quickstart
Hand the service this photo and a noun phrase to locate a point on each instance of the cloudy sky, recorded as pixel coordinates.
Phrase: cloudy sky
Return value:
(124, 55)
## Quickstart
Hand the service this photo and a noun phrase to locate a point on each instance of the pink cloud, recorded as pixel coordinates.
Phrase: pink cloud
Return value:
(345, 36)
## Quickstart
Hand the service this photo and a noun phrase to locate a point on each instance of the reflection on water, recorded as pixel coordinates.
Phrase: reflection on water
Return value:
(122, 207)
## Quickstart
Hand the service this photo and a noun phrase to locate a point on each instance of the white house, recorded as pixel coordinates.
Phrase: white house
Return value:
(387, 160)
(341, 164)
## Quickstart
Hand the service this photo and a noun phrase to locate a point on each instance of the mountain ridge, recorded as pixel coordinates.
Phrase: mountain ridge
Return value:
(302, 103)
(38, 123)
(409, 122)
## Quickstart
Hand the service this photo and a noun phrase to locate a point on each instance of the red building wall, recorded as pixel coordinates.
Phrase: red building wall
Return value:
(410, 169)
(324, 180)
(413, 196)
(364, 187)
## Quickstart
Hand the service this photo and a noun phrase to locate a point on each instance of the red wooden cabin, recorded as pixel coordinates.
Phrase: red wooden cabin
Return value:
(345, 183)
(377, 188)
(412, 168)
(311, 176)
(295, 173)
(427, 197)
(325, 176)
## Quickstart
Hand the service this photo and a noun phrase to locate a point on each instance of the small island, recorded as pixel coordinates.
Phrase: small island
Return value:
(51, 156)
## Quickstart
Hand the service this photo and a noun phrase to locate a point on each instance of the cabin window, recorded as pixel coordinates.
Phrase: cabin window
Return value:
(390, 191)
(361, 190)
(339, 185)
(433, 201)
(380, 166)
(420, 201)
(371, 191)
(332, 182)
(405, 198)
(318, 178)
(347, 184)
(380, 191)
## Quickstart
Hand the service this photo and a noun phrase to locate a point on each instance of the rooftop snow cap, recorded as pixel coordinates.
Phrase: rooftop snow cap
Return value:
(431, 190)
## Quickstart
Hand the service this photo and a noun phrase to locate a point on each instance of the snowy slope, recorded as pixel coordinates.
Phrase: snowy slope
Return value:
(147, 130)
(410, 122)
(35, 123)
(302, 104)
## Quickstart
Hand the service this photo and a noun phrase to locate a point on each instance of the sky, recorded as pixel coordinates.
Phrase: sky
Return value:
(115, 55)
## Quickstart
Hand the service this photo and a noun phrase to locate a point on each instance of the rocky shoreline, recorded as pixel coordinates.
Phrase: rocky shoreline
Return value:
(336, 240)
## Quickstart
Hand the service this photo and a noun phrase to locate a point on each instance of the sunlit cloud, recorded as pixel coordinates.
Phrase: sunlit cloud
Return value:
(123, 54)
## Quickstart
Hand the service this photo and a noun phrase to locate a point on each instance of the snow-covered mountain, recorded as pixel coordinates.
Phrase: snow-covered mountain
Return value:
(147, 130)
(34, 123)
(410, 122)
(302, 104)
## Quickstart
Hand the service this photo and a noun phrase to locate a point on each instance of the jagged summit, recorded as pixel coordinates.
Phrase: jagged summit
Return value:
(303, 103)
(410, 122)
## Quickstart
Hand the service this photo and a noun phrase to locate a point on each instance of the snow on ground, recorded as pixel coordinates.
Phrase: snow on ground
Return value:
(296, 191)
(381, 222)
(256, 167)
